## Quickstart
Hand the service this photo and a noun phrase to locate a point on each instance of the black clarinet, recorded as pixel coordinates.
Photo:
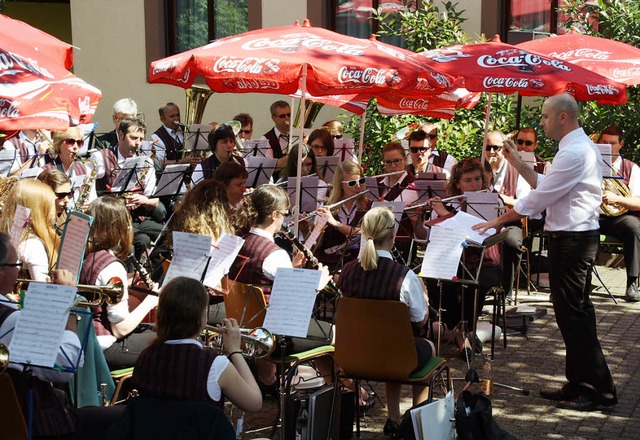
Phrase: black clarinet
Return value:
(312, 262)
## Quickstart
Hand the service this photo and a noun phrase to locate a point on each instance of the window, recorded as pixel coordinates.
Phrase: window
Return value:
(351, 17)
(194, 23)
(536, 15)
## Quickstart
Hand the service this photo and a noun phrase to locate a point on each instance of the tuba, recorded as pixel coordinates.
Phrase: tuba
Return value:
(616, 186)
(311, 112)
(197, 98)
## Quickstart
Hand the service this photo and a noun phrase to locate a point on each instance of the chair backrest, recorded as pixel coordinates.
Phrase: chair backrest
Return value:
(246, 303)
(11, 417)
(374, 339)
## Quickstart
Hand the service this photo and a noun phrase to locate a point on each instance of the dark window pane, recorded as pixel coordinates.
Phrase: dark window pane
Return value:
(231, 17)
(192, 26)
(531, 15)
(352, 18)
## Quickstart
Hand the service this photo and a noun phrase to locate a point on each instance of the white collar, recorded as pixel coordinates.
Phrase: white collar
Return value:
(183, 341)
(261, 233)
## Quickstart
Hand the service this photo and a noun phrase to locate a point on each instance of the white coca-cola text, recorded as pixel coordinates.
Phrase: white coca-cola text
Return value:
(164, 66)
(626, 73)
(601, 89)
(291, 42)
(524, 59)
(8, 109)
(370, 75)
(14, 64)
(253, 84)
(492, 82)
(249, 65)
(582, 53)
(415, 104)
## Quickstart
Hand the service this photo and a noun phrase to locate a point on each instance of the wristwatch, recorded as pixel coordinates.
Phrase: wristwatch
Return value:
(338, 224)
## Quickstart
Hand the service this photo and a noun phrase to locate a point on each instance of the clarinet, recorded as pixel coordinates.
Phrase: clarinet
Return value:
(312, 261)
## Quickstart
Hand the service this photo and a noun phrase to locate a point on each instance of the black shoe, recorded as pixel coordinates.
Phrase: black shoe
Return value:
(580, 403)
(564, 393)
(632, 294)
(391, 429)
(477, 345)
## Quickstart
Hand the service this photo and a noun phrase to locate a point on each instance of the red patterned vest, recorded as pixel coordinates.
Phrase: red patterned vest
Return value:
(384, 282)
(110, 160)
(257, 248)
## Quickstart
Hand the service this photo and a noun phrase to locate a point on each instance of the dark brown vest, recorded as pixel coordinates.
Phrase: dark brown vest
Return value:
(93, 264)
(172, 147)
(110, 161)
(257, 249)
(274, 142)
(384, 282)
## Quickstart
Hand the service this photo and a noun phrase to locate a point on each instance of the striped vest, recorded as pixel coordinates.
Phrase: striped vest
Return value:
(110, 161)
(384, 282)
(257, 249)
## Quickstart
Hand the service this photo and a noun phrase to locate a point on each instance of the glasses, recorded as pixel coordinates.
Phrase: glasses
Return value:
(245, 131)
(522, 141)
(431, 136)
(65, 194)
(286, 213)
(336, 136)
(284, 115)
(319, 147)
(352, 183)
(493, 147)
(415, 150)
(70, 142)
(17, 264)
(392, 161)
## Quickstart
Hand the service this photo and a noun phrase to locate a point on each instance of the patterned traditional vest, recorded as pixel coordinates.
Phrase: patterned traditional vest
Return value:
(384, 282)
(93, 264)
(257, 248)
(171, 145)
(110, 160)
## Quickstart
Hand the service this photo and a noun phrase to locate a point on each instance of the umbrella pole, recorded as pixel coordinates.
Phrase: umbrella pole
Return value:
(292, 107)
(361, 146)
(486, 129)
(518, 110)
(296, 205)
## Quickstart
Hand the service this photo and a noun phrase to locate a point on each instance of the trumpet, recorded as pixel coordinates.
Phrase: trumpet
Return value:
(258, 342)
(111, 293)
(4, 357)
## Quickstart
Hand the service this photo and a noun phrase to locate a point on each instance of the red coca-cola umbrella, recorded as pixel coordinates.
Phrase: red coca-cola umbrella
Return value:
(499, 67)
(41, 42)
(613, 59)
(36, 92)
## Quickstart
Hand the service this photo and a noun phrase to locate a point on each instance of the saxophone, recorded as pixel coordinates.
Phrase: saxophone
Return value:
(85, 188)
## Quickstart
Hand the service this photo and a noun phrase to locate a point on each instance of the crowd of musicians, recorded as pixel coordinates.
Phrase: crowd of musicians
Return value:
(368, 252)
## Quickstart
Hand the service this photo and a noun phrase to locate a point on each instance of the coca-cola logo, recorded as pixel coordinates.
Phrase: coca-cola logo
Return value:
(250, 84)
(626, 73)
(423, 84)
(414, 104)
(601, 89)
(14, 64)
(84, 105)
(294, 42)
(9, 109)
(164, 66)
(440, 79)
(492, 82)
(251, 65)
(524, 61)
(368, 76)
(582, 53)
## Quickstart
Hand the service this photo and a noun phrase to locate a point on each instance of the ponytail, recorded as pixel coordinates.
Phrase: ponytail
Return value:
(377, 225)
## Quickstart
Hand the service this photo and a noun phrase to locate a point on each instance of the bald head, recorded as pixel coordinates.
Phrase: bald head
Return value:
(559, 116)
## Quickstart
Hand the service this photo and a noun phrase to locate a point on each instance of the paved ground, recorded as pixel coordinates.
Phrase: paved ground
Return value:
(537, 362)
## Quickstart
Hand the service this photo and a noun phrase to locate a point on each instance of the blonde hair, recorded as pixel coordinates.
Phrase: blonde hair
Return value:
(337, 194)
(60, 136)
(40, 199)
(377, 225)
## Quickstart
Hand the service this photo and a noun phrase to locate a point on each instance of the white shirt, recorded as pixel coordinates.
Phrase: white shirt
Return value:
(634, 179)
(220, 363)
(284, 144)
(571, 191)
(277, 259)
(161, 149)
(411, 292)
(150, 177)
(33, 255)
(407, 195)
(32, 150)
(70, 345)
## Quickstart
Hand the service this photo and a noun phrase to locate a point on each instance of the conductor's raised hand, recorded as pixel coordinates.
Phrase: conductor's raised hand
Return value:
(510, 150)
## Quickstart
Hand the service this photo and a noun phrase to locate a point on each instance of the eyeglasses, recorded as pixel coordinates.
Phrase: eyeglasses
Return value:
(415, 150)
(69, 142)
(352, 183)
(286, 213)
(494, 147)
(246, 131)
(319, 147)
(65, 194)
(392, 161)
(17, 264)
(336, 136)
(522, 141)
(284, 115)
(432, 136)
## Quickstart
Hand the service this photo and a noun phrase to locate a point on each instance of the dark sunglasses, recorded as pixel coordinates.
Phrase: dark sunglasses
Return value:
(352, 183)
(63, 195)
(415, 150)
(392, 161)
(69, 142)
(494, 147)
(245, 131)
(17, 264)
(284, 115)
(522, 141)
(336, 136)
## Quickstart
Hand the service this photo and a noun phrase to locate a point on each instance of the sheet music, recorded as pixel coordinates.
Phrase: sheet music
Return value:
(260, 170)
(190, 256)
(256, 148)
(427, 189)
(464, 221)
(291, 303)
(21, 220)
(31, 173)
(483, 204)
(433, 420)
(443, 251)
(130, 172)
(396, 207)
(7, 158)
(223, 255)
(73, 242)
(344, 149)
(197, 137)
(309, 188)
(607, 160)
(39, 329)
(171, 179)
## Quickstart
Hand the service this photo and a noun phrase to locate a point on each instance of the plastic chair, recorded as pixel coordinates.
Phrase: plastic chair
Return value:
(374, 341)
(12, 420)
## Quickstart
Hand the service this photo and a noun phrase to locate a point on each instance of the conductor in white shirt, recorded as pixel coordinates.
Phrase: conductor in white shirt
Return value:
(571, 194)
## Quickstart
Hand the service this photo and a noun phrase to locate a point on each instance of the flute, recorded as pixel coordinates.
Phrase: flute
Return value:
(333, 205)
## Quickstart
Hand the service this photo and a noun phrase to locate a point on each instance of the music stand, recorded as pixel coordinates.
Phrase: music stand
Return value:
(308, 198)
(256, 148)
(345, 150)
(326, 167)
(429, 188)
(171, 181)
(129, 175)
(260, 169)
(7, 159)
(197, 138)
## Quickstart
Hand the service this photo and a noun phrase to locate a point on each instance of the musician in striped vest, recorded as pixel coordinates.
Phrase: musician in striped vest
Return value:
(376, 276)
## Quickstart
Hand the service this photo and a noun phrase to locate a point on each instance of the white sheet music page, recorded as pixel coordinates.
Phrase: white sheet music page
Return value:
(607, 160)
(190, 256)
(38, 332)
(222, 256)
(73, 242)
(291, 303)
(443, 251)
(464, 221)
(20, 222)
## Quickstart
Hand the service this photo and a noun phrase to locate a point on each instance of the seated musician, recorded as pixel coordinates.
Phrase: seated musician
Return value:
(234, 177)
(61, 186)
(425, 158)
(624, 227)
(38, 248)
(343, 220)
(466, 176)
(321, 143)
(120, 333)
(222, 143)
(147, 212)
(53, 416)
(376, 276)
(67, 145)
(32, 150)
(177, 366)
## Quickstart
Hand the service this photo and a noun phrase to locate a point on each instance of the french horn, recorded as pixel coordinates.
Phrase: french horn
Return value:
(618, 187)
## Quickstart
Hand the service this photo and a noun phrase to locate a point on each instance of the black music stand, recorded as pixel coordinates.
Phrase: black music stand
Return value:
(128, 176)
(345, 150)
(260, 170)
(171, 181)
(196, 140)
(309, 186)
(256, 148)
(326, 166)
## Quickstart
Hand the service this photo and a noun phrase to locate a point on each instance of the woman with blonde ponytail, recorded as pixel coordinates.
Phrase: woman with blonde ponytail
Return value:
(365, 277)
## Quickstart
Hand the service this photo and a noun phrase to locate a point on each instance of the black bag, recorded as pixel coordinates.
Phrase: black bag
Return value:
(474, 420)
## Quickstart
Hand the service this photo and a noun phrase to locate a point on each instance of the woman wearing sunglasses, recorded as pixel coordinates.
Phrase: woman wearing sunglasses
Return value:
(61, 186)
(343, 220)
(67, 145)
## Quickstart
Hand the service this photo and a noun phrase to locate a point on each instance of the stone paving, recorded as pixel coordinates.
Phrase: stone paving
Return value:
(535, 362)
